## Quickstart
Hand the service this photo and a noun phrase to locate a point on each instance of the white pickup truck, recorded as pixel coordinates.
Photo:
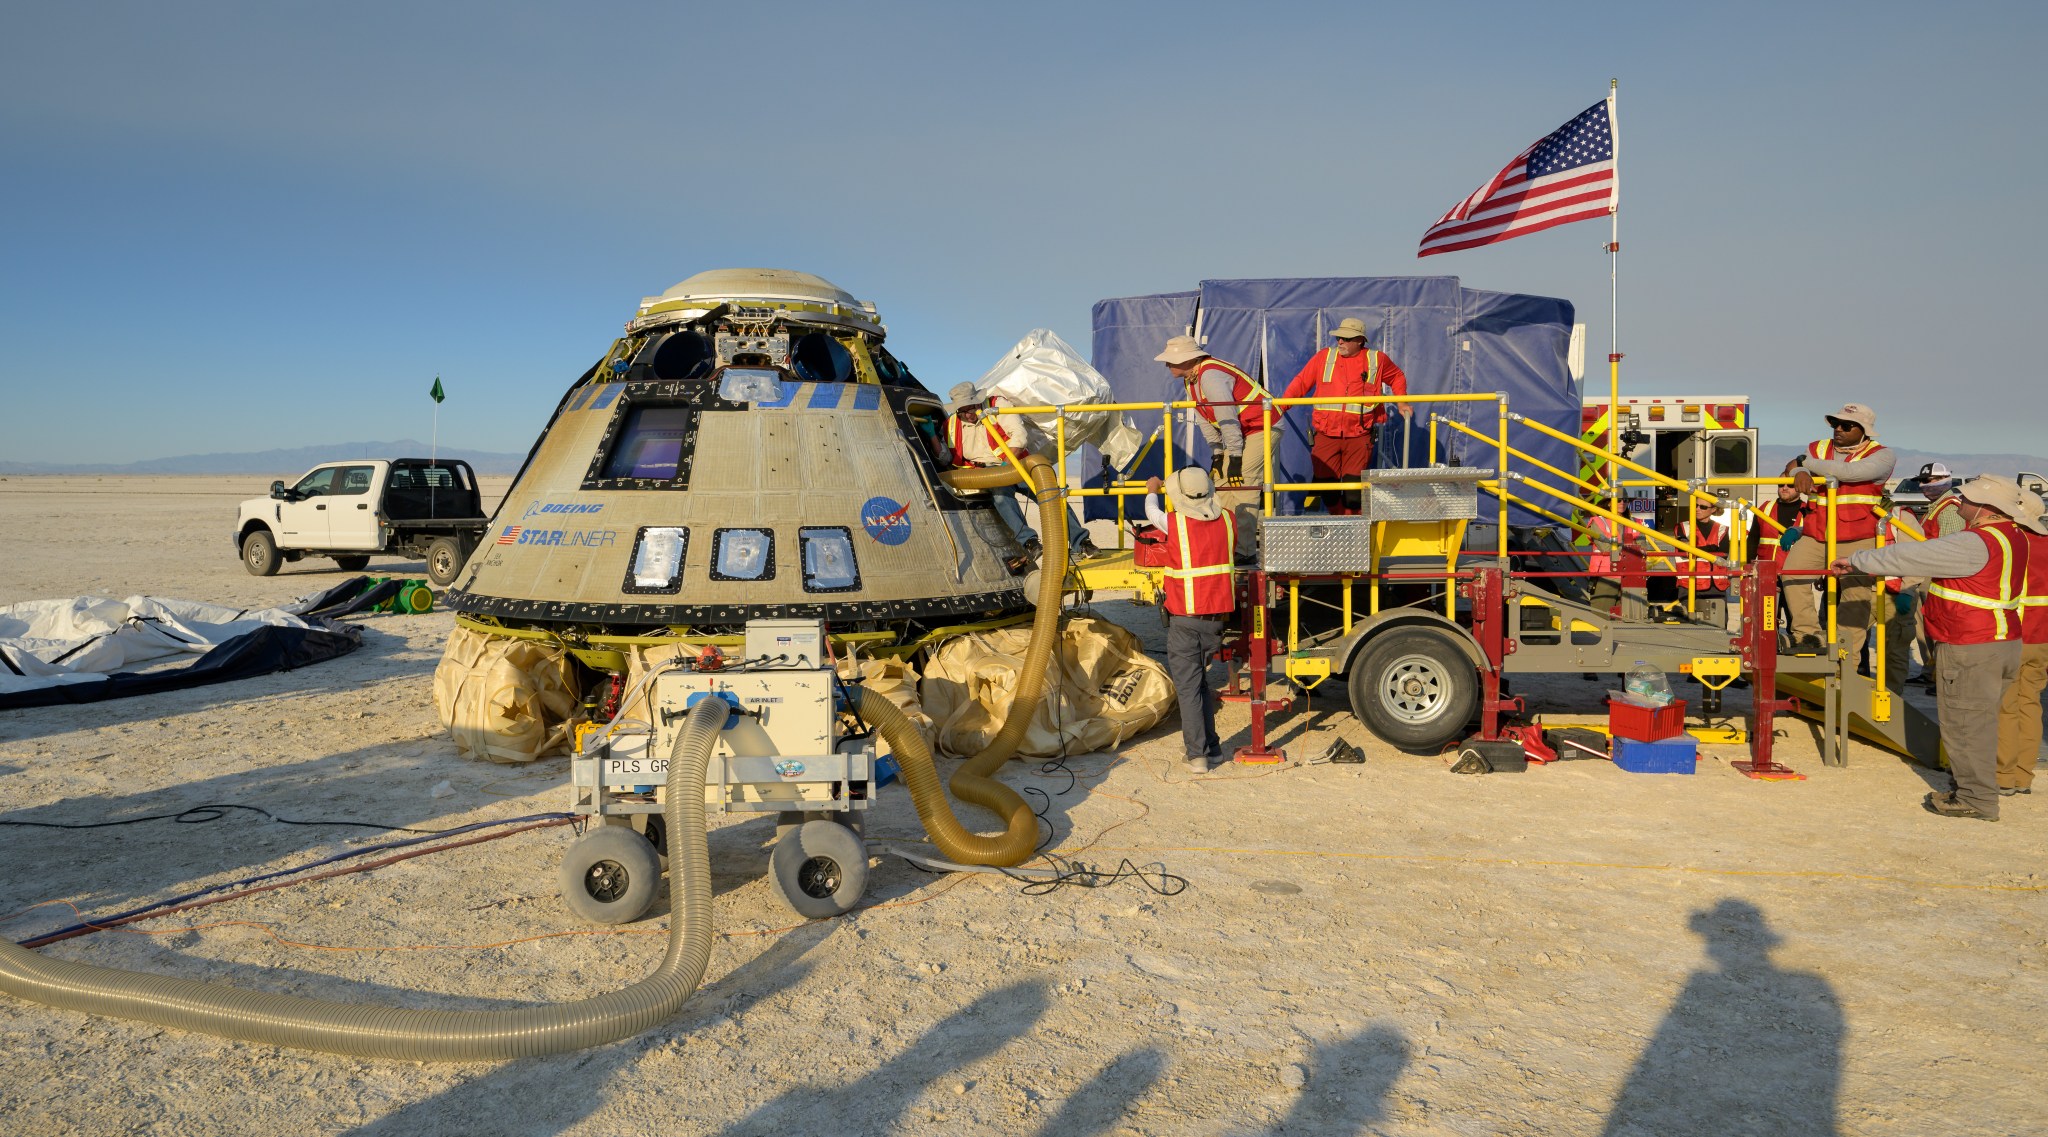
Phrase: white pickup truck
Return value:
(351, 511)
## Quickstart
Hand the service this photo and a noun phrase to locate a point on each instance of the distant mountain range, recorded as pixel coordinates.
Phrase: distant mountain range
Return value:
(282, 463)
(1771, 459)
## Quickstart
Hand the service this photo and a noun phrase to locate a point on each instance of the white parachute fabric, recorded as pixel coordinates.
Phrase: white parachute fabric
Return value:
(46, 643)
(1045, 370)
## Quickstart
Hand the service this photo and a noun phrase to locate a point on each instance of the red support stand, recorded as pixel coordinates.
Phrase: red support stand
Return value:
(1759, 644)
(1254, 597)
(1487, 594)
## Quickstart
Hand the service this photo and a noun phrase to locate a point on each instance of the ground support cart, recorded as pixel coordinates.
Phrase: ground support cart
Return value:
(781, 753)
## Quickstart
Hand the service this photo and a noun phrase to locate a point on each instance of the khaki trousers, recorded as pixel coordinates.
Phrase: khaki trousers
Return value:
(1972, 684)
(1802, 605)
(2019, 720)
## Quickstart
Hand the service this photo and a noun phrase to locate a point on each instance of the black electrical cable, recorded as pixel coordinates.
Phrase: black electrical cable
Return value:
(214, 811)
(350, 854)
(1073, 874)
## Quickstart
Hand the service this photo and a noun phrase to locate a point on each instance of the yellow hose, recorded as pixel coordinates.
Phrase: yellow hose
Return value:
(413, 1035)
(972, 781)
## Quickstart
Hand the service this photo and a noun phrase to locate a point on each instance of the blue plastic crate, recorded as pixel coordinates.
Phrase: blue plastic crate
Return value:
(1669, 756)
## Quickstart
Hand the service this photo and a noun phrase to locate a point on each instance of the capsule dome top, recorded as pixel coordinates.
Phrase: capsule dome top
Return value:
(758, 284)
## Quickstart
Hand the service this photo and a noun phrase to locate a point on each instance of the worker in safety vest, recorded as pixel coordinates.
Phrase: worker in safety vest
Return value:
(1604, 593)
(1342, 446)
(976, 438)
(1976, 578)
(1228, 409)
(1199, 594)
(1785, 521)
(1707, 535)
(1862, 467)
(2019, 714)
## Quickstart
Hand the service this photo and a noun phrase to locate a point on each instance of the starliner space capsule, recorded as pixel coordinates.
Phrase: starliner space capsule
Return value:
(748, 449)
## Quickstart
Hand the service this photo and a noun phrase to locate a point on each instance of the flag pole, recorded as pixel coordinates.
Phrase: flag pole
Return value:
(1613, 301)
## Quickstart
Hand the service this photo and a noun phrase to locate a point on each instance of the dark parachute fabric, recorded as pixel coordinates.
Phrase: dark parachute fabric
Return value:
(265, 651)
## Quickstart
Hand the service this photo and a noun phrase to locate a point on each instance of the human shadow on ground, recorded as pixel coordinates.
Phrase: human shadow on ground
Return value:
(537, 1096)
(1347, 1084)
(1748, 1048)
(1105, 1099)
(875, 1101)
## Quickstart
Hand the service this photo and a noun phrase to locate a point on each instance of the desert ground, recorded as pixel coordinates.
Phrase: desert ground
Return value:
(1383, 948)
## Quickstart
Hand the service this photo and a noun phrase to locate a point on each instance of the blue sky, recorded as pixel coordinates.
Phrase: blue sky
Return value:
(240, 227)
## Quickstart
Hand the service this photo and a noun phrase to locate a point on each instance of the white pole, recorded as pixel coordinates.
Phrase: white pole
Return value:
(1613, 296)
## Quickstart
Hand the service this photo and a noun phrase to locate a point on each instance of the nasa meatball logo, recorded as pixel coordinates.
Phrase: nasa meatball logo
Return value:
(886, 520)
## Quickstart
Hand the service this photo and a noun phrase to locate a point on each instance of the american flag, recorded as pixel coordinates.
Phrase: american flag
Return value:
(1568, 175)
(510, 536)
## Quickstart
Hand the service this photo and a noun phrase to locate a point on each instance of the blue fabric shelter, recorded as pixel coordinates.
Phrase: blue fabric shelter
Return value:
(1447, 338)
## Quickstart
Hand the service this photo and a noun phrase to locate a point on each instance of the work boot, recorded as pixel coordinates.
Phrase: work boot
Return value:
(1947, 806)
(2008, 791)
(1198, 763)
(1809, 645)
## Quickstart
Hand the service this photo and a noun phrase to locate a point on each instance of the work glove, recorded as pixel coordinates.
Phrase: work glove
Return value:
(1791, 537)
(1233, 469)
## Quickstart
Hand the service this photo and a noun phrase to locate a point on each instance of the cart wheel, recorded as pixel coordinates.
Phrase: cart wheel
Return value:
(611, 875)
(1415, 688)
(822, 869)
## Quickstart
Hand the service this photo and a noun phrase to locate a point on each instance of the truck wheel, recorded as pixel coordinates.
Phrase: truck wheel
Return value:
(611, 875)
(352, 564)
(259, 553)
(444, 559)
(1415, 688)
(821, 869)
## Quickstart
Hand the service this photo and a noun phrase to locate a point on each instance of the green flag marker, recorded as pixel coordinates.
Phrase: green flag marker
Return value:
(437, 392)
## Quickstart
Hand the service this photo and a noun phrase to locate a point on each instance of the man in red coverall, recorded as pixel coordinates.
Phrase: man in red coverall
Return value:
(1342, 448)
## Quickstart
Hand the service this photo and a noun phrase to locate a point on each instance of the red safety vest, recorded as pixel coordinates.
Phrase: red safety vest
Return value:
(1770, 538)
(2034, 594)
(1856, 503)
(1251, 417)
(1602, 561)
(1198, 574)
(1337, 420)
(1984, 607)
(1706, 575)
(991, 429)
(1941, 505)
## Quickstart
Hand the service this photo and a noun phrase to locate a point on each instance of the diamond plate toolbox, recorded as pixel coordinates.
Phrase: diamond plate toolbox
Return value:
(1315, 544)
(1438, 494)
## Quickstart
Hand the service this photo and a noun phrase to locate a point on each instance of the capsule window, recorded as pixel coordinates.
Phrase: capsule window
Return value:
(743, 554)
(828, 559)
(657, 562)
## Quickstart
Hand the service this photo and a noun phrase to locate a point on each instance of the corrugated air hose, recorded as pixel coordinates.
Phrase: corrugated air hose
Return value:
(972, 782)
(425, 1035)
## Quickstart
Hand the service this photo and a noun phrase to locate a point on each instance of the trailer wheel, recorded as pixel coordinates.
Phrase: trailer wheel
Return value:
(611, 875)
(445, 557)
(1415, 688)
(352, 564)
(821, 869)
(259, 553)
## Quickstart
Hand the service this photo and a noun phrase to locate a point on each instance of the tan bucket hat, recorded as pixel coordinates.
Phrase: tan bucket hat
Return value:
(1180, 349)
(1349, 328)
(962, 395)
(2001, 494)
(1193, 494)
(1860, 415)
(2033, 511)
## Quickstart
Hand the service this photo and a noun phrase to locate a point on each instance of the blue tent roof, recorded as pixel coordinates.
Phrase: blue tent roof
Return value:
(1447, 339)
